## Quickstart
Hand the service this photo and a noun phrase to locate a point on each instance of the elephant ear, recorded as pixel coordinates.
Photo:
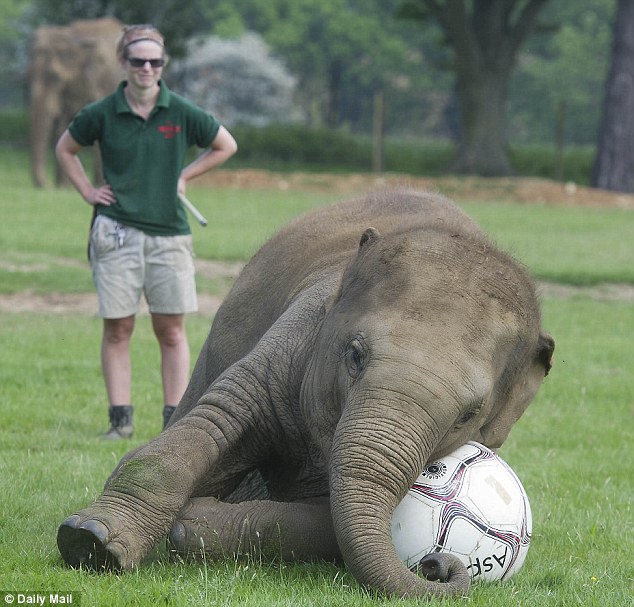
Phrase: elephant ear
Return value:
(545, 349)
(368, 237)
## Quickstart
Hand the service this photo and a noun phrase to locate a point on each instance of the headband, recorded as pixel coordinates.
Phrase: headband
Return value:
(127, 44)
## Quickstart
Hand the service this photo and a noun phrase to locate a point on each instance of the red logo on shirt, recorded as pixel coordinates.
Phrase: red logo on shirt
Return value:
(169, 130)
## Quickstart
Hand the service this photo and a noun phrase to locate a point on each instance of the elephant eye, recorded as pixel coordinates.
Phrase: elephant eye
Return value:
(355, 357)
(468, 415)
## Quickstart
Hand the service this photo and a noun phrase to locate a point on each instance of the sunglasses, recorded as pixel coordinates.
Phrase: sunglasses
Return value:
(155, 63)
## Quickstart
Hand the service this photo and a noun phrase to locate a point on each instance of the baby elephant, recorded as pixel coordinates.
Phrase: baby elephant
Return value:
(360, 342)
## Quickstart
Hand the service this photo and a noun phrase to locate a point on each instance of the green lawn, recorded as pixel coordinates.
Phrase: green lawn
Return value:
(572, 449)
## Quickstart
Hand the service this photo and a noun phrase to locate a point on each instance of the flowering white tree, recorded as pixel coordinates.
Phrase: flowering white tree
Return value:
(238, 80)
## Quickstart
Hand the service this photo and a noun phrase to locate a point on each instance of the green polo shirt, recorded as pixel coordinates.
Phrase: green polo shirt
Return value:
(143, 159)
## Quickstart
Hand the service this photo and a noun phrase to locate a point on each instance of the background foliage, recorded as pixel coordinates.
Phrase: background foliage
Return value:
(317, 42)
(563, 72)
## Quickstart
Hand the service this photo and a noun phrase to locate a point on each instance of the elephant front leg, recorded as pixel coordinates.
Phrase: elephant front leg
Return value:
(297, 531)
(136, 509)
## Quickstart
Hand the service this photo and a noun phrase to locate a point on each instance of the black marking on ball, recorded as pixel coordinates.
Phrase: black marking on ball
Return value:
(434, 470)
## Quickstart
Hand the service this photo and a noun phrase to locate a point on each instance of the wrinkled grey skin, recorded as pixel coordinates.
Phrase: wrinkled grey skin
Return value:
(69, 66)
(361, 341)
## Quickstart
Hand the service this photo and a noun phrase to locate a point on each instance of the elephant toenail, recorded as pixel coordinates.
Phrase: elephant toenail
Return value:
(72, 521)
(96, 528)
(177, 535)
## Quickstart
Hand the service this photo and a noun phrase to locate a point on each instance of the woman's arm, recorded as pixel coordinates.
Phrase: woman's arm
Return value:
(66, 151)
(222, 148)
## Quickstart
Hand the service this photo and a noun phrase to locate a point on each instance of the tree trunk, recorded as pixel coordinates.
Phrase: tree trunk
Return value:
(482, 149)
(614, 163)
(333, 111)
(378, 133)
(485, 37)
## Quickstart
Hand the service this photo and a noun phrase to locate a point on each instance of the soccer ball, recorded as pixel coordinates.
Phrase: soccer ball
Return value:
(469, 503)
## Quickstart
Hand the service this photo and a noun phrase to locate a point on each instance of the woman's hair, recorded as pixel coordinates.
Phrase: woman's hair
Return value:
(136, 33)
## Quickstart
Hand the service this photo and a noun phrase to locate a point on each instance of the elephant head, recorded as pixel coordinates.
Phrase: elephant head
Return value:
(70, 66)
(433, 340)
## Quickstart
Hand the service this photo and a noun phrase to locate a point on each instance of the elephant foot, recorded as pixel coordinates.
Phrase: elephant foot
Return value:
(183, 543)
(442, 567)
(262, 529)
(85, 544)
(87, 541)
(195, 532)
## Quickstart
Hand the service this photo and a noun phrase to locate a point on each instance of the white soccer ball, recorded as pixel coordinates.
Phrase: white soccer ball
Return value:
(469, 503)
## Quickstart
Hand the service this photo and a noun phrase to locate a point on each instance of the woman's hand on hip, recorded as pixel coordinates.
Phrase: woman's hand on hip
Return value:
(101, 195)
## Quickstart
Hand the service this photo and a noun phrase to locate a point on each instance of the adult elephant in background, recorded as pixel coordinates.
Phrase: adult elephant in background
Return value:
(360, 342)
(70, 66)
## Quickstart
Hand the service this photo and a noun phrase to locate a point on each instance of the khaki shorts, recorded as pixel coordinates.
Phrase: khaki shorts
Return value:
(127, 262)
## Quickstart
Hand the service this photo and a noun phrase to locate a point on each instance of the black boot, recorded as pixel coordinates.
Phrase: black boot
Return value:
(168, 410)
(120, 422)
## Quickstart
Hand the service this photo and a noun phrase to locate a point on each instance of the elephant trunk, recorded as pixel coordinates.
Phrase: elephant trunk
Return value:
(370, 474)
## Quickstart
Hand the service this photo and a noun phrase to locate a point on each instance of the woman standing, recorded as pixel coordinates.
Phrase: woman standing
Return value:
(140, 240)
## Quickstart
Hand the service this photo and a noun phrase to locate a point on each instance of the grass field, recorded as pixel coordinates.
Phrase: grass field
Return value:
(572, 449)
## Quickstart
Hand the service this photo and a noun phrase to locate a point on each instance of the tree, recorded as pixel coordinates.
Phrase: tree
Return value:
(236, 79)
(614, 162)
(558, 84)
(341, 51)
(177, 19)
(484, 37)
(12, 62)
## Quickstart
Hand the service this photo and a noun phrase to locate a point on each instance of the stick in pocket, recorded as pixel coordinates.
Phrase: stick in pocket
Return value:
(193, 210)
